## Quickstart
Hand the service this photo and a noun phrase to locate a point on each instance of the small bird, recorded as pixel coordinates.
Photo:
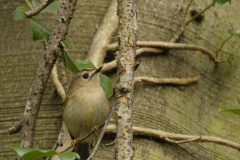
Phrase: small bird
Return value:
(85, 107)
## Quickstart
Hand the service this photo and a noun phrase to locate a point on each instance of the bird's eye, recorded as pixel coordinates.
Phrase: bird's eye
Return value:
(85, 76)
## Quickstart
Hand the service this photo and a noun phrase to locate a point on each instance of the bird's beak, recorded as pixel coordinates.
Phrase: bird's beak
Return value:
(97, 71)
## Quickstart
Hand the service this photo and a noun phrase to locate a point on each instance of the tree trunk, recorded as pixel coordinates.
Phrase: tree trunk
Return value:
(191, 109)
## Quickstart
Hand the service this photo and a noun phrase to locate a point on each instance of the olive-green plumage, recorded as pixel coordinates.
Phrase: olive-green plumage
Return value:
(86, 106)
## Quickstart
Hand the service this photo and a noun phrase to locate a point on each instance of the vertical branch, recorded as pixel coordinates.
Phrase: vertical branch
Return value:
(125, 61)
(44, 68)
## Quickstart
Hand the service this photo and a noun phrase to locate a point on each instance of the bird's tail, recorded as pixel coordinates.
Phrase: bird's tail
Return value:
(83, 150)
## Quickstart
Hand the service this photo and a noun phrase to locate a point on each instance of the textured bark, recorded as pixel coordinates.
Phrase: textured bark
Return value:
(127, 38)
(190, 110)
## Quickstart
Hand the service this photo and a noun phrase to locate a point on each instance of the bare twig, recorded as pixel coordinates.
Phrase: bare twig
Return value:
(102, 132)
(182, 141)
(43, 71)
(175, 138)
(97, 51)
(57, 83)
(113, 47)
(162, 45)
(113, 64)
(177, 81)
(180, 46)
(38, 9)
(17, 126)
(195, 16)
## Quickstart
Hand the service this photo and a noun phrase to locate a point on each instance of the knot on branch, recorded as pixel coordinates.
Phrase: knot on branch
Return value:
(125, 86)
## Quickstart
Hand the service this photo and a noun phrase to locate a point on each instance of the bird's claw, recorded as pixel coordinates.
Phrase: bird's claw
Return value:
(95, 129)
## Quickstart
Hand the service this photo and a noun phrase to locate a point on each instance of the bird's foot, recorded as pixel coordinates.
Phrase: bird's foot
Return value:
(74, 143)
(95, 129)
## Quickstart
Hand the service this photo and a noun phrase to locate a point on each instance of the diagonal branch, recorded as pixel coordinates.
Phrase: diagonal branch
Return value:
(38, 9)
(58, 34)
(98, 49)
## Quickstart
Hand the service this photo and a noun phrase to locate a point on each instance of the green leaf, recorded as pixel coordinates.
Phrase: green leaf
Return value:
(106, 84)
(220, 2)
(233, 111)
(19, 13)
(84, 64)
(33, 154)
(69, 63)
(67, 42)
(39, 32)
(68, 156)
(52, 8)
(236, 33)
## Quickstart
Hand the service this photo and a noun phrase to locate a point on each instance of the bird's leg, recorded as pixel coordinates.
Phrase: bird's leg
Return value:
(95, 129)
(74, 143)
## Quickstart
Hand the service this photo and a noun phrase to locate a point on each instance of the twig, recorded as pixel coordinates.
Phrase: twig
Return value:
(97, 51)
(17, 126)
(180, 46)
(194, 17)
(57, 83)
(185, 13)
(177, 81)
(102, 133)
(113, 64)
(176, 137)
(38, 9)
(113, 47)
(182, 141)
(58, 34)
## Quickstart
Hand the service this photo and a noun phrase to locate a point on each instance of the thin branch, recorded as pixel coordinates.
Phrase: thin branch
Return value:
(177, 81)
(175, 138)
(61, 88)
(29, 4)
(57, 83)
(112, 47)
(185, 13)
(102, 132)
(177, 34)
(98, 49)
(113, 64)
(43, 71)
(220, 48)
(180, 46)
(182, 141)
(17, 126)
(38, 9)
(194, 17)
